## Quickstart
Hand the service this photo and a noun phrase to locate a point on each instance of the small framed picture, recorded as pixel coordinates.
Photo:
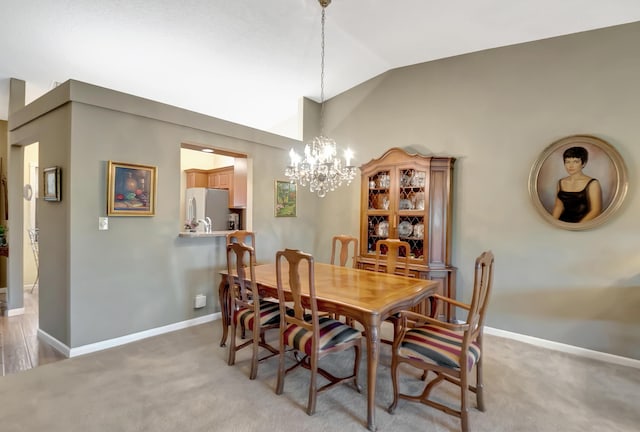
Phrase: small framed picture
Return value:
(285, 199)
(131, 189)
(578, 182)
(52, 184)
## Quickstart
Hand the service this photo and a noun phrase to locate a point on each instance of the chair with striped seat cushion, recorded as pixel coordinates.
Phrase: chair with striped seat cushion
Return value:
(332, 333)
(269, 315)
(449, 350)
(310, 338)
(249, 239)
(434, 343)
(247, 305)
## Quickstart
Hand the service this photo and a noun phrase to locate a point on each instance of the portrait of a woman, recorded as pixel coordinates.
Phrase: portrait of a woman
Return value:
(578, 197)
(578, 182)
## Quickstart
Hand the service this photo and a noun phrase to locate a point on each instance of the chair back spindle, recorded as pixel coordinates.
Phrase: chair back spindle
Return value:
(395, 251)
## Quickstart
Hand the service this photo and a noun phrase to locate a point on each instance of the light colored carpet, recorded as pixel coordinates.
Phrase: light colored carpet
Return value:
(181, 382)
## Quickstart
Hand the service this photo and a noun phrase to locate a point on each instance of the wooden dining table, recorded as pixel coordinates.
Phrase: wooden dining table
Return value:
(366, 296)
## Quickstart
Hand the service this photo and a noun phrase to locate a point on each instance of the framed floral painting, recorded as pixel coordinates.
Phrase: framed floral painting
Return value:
(285, 198)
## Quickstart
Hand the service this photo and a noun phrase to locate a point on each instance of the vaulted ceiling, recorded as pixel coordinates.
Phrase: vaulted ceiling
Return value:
(251, 61)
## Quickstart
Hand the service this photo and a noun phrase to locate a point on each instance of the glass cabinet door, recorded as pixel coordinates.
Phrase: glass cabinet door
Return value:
(397, 208)
(379, 208)
(411, 210)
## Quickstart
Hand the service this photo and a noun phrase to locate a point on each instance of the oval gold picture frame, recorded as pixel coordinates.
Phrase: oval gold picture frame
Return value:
(604, 164)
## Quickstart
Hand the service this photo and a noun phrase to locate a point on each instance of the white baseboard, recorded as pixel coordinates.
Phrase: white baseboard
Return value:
(53, 342)
(570, 349)
(99, 346)
(14, 312)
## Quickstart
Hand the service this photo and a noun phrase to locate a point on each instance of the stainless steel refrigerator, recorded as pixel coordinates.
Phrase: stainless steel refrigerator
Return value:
(202, 203)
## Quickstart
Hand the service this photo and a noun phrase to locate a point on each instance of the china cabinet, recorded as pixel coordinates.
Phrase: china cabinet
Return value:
(409, 197)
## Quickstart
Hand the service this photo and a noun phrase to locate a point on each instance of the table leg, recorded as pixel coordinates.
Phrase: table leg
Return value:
(223, 297)
(373, 353)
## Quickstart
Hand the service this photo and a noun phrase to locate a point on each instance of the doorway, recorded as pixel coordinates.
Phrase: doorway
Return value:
(195, 157)
(30, 198)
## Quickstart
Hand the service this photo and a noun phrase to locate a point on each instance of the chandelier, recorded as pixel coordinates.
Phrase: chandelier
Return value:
(320, 168)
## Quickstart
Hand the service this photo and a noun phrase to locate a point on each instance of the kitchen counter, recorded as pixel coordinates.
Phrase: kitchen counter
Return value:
(204, 234)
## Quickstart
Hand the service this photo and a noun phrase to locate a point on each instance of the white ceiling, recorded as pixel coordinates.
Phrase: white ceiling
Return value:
(251, 61)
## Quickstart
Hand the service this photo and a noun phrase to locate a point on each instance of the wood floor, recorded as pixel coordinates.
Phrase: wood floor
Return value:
(20, 348)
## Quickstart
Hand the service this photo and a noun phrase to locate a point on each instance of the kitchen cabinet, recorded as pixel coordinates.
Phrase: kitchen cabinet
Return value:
(197, 177)
(409, 197)
(233, 178)
(221, 178)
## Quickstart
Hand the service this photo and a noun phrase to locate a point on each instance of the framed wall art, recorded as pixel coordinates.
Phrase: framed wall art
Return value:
(578, 182)
(52, 183)
(285, 198)
(131, 189)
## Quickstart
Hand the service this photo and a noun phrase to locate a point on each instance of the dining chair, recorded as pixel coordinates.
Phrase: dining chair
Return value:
(447, 349)
(248, 238)
(390, 252)
(243, 236)
(248, 311)
(343, 243)
(311, 338)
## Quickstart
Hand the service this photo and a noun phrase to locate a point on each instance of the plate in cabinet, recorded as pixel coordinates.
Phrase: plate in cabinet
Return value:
(405, 229)
(418, 230)
(405, 204)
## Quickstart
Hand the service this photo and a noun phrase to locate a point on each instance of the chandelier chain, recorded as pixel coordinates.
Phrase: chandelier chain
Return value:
(322, 72)
(320, 167)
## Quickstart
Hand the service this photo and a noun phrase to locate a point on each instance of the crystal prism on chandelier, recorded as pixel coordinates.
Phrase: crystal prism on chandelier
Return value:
(320, 168)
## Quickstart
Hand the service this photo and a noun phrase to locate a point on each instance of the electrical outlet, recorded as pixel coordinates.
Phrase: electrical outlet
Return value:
(200, 301)
(103, 223)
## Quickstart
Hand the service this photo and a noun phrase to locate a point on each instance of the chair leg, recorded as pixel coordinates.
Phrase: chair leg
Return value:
(311, 406)
(35, 283)
(232, 343)
(356, 368)
(479, 386)
(464, 398)
(281, 373)
(394, 382)
(254, 352)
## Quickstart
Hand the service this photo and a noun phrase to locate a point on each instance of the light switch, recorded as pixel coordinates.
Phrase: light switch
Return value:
(103, 223)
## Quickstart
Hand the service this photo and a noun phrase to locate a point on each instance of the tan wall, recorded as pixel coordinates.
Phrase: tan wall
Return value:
(3, 155)
(496, 111)
(138, 275)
